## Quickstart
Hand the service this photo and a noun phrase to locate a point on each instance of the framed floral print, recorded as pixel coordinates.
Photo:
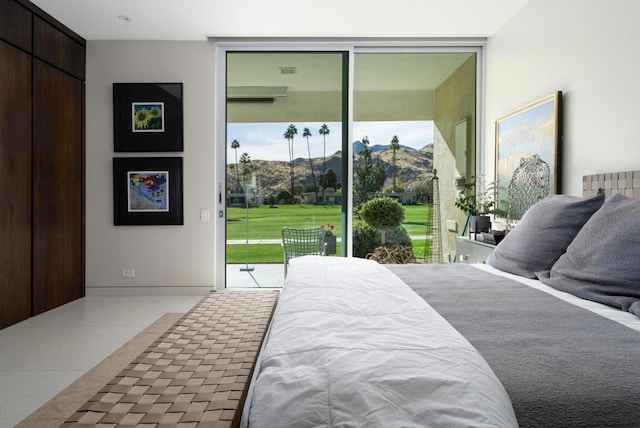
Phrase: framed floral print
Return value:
(147, 117)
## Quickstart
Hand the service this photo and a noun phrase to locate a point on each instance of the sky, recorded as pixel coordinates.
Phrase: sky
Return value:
(265, 141)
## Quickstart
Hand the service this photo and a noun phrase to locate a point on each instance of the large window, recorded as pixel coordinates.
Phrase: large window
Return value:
(284, 163)
(405, 110)
(310, 136)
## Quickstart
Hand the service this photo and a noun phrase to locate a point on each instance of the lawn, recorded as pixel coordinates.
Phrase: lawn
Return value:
(267, 223)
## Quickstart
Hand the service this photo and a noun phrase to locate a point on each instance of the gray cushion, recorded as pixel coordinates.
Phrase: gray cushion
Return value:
(544, 233)
(602, 262)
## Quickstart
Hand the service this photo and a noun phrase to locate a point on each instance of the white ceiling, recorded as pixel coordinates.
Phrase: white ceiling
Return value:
(323, 72)
(199, 19)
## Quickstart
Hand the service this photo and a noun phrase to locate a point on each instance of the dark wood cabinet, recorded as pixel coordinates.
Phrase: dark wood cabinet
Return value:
(57, 188)
(15, 184)
(67, 54)
(16, 24)
(41, 162)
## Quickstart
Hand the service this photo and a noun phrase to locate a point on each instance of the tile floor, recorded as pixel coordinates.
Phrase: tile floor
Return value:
(41, 356)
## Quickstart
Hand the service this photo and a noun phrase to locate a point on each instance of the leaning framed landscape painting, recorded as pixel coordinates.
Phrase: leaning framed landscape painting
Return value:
(528, 143)
(147, 117)
(147, 191)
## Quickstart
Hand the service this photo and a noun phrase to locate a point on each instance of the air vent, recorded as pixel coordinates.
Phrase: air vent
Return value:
(288, 70)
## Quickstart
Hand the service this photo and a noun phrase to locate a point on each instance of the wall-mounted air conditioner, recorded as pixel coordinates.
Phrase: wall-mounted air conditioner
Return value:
(253, 94)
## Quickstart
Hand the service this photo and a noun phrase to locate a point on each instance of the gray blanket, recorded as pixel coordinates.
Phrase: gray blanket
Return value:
(562, 366)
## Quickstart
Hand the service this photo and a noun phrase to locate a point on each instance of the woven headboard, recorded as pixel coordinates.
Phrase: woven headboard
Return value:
(627, 183)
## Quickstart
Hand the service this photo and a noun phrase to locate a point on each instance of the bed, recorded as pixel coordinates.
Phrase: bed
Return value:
(545, 334)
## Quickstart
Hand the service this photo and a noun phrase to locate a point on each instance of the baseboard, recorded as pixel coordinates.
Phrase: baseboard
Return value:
(149, 291)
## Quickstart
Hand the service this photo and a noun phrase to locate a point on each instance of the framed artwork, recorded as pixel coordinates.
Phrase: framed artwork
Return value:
(147, 191)
(528, 143)
(147, 117)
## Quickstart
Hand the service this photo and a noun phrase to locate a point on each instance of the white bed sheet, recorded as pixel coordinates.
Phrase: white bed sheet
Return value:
(351, 345)
(625, 318)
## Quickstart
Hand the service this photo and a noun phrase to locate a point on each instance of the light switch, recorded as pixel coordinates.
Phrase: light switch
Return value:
(204, 214)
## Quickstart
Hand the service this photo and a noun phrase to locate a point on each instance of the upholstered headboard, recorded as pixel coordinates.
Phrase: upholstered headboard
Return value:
(627, 183)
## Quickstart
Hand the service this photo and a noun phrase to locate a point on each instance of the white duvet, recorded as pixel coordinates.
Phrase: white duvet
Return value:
(351, 345)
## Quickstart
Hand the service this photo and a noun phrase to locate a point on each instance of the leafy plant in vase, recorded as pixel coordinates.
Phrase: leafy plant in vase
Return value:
(478, 201)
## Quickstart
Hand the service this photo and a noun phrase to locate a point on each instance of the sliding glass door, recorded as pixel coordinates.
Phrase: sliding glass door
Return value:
(405, 109)
(284, 157)
(309, 136)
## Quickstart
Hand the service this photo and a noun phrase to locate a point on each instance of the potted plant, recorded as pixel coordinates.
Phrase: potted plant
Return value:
(386, 214)
(478, 201)
(329, 239)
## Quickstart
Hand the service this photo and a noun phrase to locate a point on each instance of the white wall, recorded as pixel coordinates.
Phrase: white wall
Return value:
(163, 257)
(585, 48)
(589, 50)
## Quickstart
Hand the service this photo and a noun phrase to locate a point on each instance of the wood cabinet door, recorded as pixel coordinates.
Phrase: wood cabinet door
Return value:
(16, 24)
(15, 185)
(58, 199)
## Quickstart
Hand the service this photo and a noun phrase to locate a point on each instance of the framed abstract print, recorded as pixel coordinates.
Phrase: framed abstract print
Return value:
(147, 191)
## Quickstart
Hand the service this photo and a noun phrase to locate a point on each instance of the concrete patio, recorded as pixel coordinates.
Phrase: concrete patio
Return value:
(263, 275)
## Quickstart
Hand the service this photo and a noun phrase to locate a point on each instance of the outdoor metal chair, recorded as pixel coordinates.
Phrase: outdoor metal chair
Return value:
(302, 242)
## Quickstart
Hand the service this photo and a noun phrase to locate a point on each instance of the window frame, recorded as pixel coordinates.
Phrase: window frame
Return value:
(352, 48)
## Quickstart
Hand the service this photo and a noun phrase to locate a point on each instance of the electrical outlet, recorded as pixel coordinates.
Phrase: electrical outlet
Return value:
(128, 273)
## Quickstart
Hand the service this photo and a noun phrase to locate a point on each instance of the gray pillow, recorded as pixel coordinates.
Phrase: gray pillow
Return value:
(602, 262)
(544, 233)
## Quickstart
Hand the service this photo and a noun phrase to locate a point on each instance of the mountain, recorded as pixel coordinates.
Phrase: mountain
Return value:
(412, 165)
(358, 147)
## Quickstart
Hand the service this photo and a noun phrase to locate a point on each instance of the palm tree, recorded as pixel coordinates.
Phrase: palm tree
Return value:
(324, 131)
(235, 145)
(245, 160)
(395, 146)
(289, 134)
(306, 134)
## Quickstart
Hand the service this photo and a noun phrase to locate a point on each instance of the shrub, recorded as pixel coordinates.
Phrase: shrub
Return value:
(284, 196)
(382, 213)
(366, 239)
(398, 235)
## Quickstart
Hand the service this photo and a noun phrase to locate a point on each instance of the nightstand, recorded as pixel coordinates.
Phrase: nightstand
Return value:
(471, 251)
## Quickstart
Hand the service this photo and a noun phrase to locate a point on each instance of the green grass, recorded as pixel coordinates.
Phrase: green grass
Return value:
(415, 219)
(258, 253)
(261, 253)
(267, 223)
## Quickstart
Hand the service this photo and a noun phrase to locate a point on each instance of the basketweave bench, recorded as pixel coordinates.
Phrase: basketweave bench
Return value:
(195, 375)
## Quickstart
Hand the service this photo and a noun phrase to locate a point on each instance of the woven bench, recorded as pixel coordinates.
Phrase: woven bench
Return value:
(195, 375)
